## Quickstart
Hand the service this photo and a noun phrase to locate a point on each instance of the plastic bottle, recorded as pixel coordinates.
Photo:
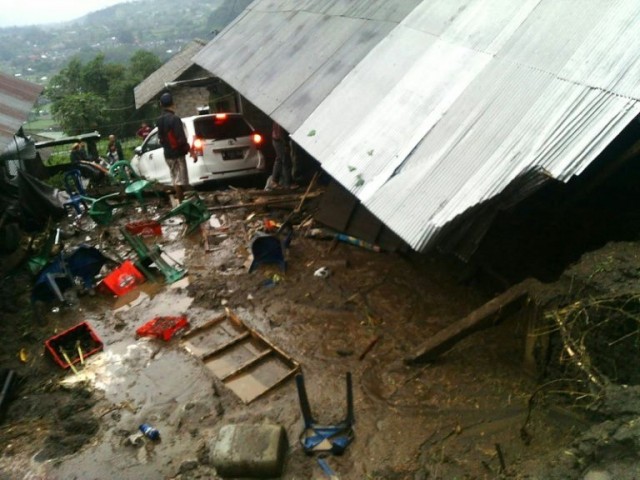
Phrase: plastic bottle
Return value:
(149, 431)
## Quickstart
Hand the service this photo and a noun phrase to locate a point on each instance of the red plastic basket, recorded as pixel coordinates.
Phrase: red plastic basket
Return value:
(145, 228)
(123, 278)
(82, 335)
(163, 327)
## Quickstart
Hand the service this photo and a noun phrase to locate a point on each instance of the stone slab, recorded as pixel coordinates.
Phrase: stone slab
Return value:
(254, 451)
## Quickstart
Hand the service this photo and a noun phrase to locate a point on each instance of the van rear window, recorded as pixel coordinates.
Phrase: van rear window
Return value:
(216, 128)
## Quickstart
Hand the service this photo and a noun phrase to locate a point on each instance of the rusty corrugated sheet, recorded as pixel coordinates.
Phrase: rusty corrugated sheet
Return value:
(17, 97)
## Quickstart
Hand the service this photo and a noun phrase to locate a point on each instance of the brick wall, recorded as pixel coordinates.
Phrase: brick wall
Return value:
(188, 99)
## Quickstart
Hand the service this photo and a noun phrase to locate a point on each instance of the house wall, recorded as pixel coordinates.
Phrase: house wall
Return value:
(188, 99)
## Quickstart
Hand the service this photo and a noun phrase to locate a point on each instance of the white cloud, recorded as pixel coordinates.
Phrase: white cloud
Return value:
(39, 12)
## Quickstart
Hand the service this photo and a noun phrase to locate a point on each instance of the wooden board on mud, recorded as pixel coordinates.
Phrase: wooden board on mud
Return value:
(246, 362)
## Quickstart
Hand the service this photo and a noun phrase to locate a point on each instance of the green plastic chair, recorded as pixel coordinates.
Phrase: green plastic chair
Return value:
(101, 209)
(122, 172)
(193, 210)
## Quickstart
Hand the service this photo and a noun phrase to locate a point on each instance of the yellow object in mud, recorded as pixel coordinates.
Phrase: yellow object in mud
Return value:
(23, 355)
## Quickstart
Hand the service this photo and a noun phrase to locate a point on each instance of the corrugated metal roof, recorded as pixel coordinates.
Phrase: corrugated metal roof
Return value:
(286, 56)
(457, 102)
(17, 97)
(168, 72)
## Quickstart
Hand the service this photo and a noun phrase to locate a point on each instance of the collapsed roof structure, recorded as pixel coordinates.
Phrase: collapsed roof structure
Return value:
(433, 113)
(17, 97)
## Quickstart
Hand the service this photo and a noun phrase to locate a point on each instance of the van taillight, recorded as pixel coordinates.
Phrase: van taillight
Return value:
(198, 146)
(257, 139)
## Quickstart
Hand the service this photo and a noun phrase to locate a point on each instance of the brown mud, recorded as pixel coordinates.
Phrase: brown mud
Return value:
(462, 416)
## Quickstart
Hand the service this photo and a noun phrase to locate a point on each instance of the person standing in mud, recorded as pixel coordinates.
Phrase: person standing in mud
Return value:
(175, 144)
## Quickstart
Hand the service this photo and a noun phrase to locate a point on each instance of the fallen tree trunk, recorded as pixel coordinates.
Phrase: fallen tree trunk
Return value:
(488, 315)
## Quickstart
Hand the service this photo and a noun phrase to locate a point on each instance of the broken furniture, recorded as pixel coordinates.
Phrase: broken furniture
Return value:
(154, 255)
(193, 210)
(73, 345)
(84, 263)
(122, 173)
(267, 249)
(246, 362)
(325, 438)
(43, 257)
(74, 188)
(101, 209)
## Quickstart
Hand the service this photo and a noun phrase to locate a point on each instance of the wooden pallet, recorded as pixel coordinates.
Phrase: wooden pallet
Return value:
(246, 362)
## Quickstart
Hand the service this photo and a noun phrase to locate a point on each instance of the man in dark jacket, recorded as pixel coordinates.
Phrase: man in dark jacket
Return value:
(175, 144)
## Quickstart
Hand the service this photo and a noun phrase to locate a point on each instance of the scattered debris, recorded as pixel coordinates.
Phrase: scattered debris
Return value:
(163, 327)
(322, 272)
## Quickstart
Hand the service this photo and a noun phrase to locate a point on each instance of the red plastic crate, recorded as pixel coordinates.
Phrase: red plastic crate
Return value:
(145, 228)
(90, 343)
(123, 278)
(163, 327)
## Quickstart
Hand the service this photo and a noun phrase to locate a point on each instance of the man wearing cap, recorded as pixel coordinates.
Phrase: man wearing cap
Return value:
(175, 144)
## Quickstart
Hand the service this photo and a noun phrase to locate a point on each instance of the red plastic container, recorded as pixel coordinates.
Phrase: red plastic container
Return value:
(123, 278)
(145, 228)
(163, 327)
(82, 335)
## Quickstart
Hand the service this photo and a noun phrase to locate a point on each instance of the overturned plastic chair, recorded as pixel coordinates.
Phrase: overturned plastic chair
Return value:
(316, 438)
(193, 210)
(84, 263)
(123, 173)
(101, 209)
(74, 188)
(172, 271)
(267, 249)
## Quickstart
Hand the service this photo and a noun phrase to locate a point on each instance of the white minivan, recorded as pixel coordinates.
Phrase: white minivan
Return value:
(225, 144)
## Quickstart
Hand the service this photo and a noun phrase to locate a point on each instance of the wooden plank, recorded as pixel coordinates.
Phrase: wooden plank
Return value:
(225, 346)
(486, 316)
(259, 336)
(247, 365)
(279, 382)
(204, 326)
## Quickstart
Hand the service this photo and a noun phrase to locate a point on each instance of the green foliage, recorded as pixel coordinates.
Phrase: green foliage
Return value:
(79, 112)
(98, 95)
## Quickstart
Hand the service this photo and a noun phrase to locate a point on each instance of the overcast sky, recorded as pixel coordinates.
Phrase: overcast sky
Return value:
(39, 12)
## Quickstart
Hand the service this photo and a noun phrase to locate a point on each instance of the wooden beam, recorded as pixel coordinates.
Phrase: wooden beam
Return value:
(488, 315)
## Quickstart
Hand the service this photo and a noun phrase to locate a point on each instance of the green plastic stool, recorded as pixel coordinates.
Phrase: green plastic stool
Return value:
(153, 255)
(193, 210)
(101, 209)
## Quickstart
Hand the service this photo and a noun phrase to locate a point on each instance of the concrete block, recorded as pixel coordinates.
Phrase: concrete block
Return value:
(255, 451)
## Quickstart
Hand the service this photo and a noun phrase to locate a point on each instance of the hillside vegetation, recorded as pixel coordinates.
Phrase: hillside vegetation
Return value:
(162, 27)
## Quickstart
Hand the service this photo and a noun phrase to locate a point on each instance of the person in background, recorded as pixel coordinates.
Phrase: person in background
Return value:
(113, 141)
(112, 154)
(143, 131)
(175, 144)
(78, 152)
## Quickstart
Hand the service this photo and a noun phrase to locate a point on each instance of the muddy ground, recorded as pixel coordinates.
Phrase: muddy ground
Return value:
(474, 413)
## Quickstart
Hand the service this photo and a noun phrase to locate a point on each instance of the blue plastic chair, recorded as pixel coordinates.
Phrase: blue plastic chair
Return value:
(74, 188)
